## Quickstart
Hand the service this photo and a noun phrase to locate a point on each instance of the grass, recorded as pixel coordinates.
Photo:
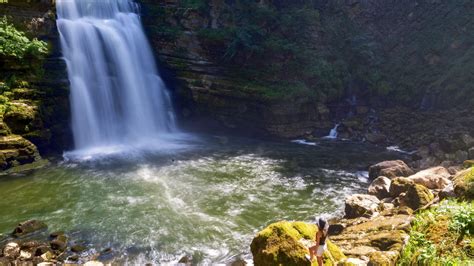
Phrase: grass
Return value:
(442, 236)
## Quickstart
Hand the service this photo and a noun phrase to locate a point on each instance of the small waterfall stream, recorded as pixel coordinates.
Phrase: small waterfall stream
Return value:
(117, 96)
(332, 133)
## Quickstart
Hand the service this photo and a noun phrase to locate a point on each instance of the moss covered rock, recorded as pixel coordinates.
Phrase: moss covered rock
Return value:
(399, 185)
(464, 183)
(284, 243)
(416, 197)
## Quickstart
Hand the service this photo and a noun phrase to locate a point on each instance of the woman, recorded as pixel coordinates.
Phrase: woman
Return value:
(320, 246)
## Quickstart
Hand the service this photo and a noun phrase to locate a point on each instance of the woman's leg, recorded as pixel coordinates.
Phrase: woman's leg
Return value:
(312, 252)
(320, 260)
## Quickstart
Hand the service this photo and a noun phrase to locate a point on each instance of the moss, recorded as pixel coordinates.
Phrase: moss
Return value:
(433, 241)
(280, 244)
(417, 196)
(464, 183)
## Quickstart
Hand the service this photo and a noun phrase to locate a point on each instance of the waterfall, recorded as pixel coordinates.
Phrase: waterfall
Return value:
(117, 96)
(332, 133)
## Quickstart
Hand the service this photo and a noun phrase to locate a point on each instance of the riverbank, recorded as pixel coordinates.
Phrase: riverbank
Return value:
(406, 218)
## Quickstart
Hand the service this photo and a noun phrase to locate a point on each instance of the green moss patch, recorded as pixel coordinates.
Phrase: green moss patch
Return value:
(442, 235)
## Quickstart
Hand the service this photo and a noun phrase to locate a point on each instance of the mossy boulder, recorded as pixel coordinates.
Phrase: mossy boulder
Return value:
(416, 197)
(399, 185)
(464, 183)
(286, 243)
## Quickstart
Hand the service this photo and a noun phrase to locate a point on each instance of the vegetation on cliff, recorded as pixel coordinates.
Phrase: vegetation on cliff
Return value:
(15, 44)
(442, 235)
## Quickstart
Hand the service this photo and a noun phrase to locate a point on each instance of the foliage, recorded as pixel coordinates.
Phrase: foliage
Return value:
(14, 43)
(435, 235)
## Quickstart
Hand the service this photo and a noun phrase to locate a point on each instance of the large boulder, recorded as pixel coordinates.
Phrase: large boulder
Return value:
(28, 227)
(432, 178)
(416, 197)
(399, 185)
(16, 150)
(380, 187)
(390, 169)
(285, 243)
(361, 205)
(464, 183)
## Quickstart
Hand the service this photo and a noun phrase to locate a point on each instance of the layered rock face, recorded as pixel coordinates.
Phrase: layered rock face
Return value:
(34, 106)
(392, 53)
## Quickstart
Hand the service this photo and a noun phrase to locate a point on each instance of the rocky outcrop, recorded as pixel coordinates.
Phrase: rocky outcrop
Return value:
(464, 183)
(432, 178)
(34, 103)
(16, 150)
(28, 227)
(417, 196)
(390, 169)
(29, 244)
(375, 239)
(286, 243)
(380, 187)
(361, 205)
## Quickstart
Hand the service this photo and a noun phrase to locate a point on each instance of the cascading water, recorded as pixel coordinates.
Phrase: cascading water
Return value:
(332, 133)
(117, 96)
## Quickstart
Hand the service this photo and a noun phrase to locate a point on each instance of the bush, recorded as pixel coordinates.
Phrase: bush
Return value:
(15, 44)
(435, 238)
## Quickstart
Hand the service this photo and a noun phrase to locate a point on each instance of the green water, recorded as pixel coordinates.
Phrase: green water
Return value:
(206, 201)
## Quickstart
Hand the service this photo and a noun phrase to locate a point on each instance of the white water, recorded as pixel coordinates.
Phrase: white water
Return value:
(117, 97)
(332, 133)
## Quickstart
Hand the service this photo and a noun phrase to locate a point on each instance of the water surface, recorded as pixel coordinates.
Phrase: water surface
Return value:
(207, 200)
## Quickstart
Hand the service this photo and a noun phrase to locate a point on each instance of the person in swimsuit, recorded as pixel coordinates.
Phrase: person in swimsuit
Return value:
(320, 246)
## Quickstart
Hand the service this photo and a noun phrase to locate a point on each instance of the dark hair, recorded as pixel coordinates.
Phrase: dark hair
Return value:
(322, 223)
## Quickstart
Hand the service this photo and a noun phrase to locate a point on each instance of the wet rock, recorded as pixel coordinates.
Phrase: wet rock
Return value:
(361, 205)
(380, 187)
(59, 243)
(28, 227)
(56, 234)
(239, 262)
(416, 197)
(399, 185)
(464, 183)
(16, 150)
(25, 255)
(78, 248)
(286, 243)
(185, 260)
(335, 229)
(390, 169)
(433, 178)
(48, 256)
(11, 250)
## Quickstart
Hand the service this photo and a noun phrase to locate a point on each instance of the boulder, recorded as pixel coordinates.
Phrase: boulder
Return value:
(11, 250)
(464, 183)
(361, 205)
(468, 163)
(390, 169)
(432, 178)
(380, 187)
(375, 138)
(283, 243)
(416, 197)
(399, 185)
(387, 258)
(28, 227)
